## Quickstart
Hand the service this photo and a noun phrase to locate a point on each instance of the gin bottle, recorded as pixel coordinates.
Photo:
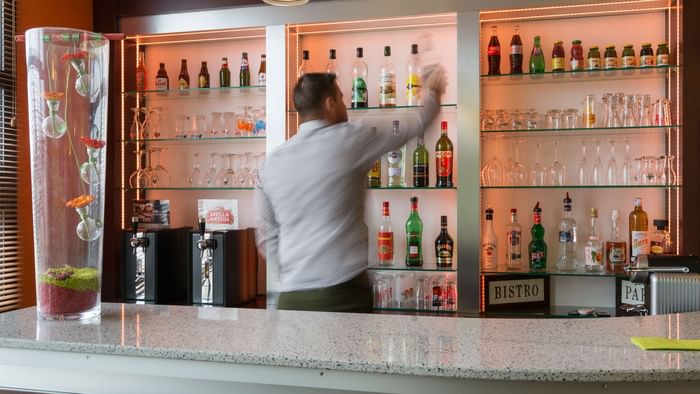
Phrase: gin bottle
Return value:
(567, 239)
(396, 163)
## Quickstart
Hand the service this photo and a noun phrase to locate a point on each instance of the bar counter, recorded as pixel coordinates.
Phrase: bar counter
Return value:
(153, 348)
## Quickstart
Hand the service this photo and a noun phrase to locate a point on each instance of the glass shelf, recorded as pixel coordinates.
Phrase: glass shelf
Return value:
(187, 188)
(579, 76)
(411, 188)
(195, 141)
(198, 92)
(583, 130)
(553, 312)
(552, 271)
(390, 110)
(413, 310)
(402, 267)
(586, 187)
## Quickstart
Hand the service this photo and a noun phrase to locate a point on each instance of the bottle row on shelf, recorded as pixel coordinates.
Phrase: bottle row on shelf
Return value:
(611, 256)
(593, 61)
(444, 245)
(162, 81)
(386, 78)
(396, 163)
(411, 291)
(613, 111)
(645, 170)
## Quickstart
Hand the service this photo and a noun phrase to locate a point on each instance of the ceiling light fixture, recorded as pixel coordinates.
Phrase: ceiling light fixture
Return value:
(286, 3)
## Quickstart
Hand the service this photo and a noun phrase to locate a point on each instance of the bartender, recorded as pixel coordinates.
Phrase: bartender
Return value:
(310, 201)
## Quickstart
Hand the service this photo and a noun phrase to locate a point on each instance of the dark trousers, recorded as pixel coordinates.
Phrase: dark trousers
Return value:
(354, 295)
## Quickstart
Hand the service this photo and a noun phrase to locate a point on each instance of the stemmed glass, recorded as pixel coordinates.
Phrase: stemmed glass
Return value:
(195, 178)
(243, 173)
(255, 170)
(557, 172)
(583, 170)
(672, 179)
(627, 169)
(612, 165)
(139, 178)
(160, 176)
(136, 131)
(492, 172)
(152, 180)
(517, 173)
(597, 166)
(210, 175)
(537, 173)
(226, 177)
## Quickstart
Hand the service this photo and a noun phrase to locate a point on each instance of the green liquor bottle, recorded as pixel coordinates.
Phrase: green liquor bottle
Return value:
(414, 236)
(537, 249)
(537, 57)
(244, 74)
(224, 74)
(420, 164)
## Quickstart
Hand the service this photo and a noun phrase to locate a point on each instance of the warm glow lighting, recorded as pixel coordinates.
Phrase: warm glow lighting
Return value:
(374, 28)
(194, 33)
(559, 7)
(398, 18)
(198, 40)
(679, 173)
(286, 3)
(123, 148)
(574, 14)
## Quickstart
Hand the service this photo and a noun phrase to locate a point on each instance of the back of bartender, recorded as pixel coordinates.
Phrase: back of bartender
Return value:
(310, 202)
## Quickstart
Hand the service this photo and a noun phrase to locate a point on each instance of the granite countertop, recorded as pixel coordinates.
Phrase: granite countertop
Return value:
(501, 349)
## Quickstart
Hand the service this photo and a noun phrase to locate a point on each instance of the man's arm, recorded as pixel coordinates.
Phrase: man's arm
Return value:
(267, 228)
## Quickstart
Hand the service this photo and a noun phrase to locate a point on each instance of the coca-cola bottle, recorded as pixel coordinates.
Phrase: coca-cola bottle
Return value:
(494, 53)
(516, 52)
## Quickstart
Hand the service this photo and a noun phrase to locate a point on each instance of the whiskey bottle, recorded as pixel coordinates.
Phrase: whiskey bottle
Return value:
(444, 245)
(414, 236)
(638, 231)
(305, 67)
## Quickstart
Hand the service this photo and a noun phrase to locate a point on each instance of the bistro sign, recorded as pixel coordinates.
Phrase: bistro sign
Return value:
(516, 292)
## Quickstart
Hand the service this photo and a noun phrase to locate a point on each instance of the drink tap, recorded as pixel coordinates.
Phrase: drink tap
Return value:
(135, 241)
(204, 244)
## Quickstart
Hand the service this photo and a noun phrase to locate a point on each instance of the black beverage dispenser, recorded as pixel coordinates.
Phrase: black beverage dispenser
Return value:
(224, 266)
(156, 265)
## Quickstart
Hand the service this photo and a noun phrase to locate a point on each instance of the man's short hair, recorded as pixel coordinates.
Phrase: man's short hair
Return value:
(311, 91)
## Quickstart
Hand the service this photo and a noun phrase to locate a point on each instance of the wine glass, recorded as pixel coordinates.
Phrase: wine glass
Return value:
(557, 172)
(139, 178)
(492, 172)
(537, 173)
(210, 175)
(136, 131)
(153, 180)
(195, 178)
(160, 175)
(672, 179)
(243, 173)
(627, 169)
(517, 173)
(226, 177)
(583, 169)
(612, 165)
(255, 170)
(597, 167)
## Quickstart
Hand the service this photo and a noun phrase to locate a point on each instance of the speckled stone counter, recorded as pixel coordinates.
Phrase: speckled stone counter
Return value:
(559, 350)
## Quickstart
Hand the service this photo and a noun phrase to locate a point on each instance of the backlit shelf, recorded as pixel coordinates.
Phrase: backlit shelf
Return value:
(195, 141)
(187, 188)
(244, 91)
(413, 310)
(552, 271)
(632, 73)
(403, 267)
(411, 188)
(582, 131)
(586, 187)
(400, 109)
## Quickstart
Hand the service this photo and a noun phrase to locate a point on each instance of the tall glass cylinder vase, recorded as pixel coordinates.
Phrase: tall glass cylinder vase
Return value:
(67, 72)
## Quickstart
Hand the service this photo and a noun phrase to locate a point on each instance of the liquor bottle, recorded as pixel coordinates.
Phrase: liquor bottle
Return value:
(203, 80)
(537, 57)
(413, 78)
(262, 71)
(489, 243)
(385, 238)
(141, 79)
(359, 82)
(537, 249)
(594, 252)
(444, 245)
(162, 81)
(443, 158)
(638, 231)
(244, 74)
(516, 52)
(514, 247)
(660, 240)
(374, 176)
(494, 52)
(305, 67)
(396, 163)
(183, 80)
(567, 239)
(224, 74)
(387, 81)
(615, 247)
(414, 236)
(421, 176)
(332, 66)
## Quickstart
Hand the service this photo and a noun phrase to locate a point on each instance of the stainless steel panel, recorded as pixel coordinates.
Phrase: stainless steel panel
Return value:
(673, 293)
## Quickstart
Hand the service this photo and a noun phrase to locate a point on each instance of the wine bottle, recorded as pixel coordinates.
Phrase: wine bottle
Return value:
(141, 79)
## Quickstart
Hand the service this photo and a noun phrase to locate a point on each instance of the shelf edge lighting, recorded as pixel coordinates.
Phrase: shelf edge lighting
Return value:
(286, 3)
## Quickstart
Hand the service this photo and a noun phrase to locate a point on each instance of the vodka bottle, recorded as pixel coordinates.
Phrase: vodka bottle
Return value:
(567, 239)
(396, 163)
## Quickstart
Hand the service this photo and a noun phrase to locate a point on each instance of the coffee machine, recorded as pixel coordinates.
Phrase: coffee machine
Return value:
(224, 266)
(156, 265)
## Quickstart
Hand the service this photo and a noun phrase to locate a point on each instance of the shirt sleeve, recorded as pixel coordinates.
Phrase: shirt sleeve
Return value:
(378, 141)
(267, 228)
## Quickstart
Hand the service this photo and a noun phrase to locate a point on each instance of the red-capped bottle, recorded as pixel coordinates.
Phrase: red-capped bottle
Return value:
(385, 238)
(494, 53)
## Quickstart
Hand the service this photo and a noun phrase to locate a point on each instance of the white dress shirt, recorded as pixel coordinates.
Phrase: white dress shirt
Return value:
(310, 202)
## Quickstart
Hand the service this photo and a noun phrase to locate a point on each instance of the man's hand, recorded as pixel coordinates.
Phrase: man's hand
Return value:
(435, 79)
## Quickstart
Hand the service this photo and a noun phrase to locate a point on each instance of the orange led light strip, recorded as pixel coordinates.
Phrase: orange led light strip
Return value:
(198, 40)
(574, 14)
(558, 7)
(123, 143)
(398, 18)
(375, 28)
(194, 33)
